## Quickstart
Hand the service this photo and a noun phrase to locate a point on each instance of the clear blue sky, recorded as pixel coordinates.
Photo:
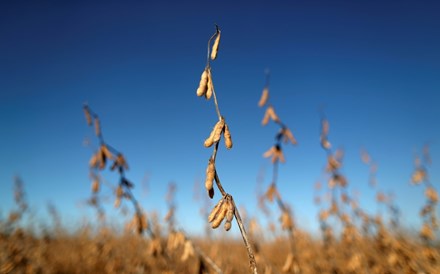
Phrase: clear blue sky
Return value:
(374, 65)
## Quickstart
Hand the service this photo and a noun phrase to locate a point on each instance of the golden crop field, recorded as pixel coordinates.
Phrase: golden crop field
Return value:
(350, 241)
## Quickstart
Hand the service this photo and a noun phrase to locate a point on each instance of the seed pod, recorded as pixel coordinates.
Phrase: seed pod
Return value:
(288, 136)
(426, 232)
(230, 212)
(187, 251)
(288, 264)
(269, 114)
(88, 117)
(97, 127)
(228, 139)
(144, 222)
(431, 194)
(201, 90)
(264, 97)
(117, 202)
(269, 152)
(332, 164)
(215, 133)
(341, 180)
(272, 114)
(216, 210)
(227, 225)
(210, 86)
(265, 118)
(94, 160)
(101, 159)
(276, 153)
(106, 152)
(215, 46)
(210, 174)
(418, 176)
(119, 191)
(121, 161)
(325, 143)
(325, 127)
(95, 186)
(272, 192)
(323, 215)
(286, 221)
(220, 216)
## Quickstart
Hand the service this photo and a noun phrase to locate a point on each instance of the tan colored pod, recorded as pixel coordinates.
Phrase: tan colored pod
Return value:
(265, 118)
(228, 139)
(144, 221)
(215, 46)
(279, 155)
(88, 116)
(325, 143)
(215, 134)
(187, 251)
(323, 215)
(230, 212)
(227, 225)
(201, 90)
(209, 182)
(418, 176)
(119, 192)
(264, 97)
(269, 114)
(106, 152)
(341, 180)
(269, 153)
(117, 202)
(220, 216)
(288, 136)
(288, 264)
(97, 127)
(120, 162)
(272, 114)
(431, 194)
(272, 192)
(325, 127)
(210, 86)
(101, 159)
(216, 210)
(332, 164)
(94, 160)
(286, 221)
(95, 186)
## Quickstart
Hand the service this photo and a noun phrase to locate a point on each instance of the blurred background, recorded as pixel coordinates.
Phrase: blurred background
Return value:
(371, 67)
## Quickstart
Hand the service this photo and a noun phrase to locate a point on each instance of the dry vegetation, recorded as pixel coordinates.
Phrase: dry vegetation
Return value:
(351, 240)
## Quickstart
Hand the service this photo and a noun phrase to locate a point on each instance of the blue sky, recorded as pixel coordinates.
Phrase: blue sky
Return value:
(374, 66)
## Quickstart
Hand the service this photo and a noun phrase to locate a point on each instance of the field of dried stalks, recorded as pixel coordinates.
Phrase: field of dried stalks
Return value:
(351, 240)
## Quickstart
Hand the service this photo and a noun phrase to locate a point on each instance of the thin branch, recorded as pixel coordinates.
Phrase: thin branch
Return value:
(253, 262)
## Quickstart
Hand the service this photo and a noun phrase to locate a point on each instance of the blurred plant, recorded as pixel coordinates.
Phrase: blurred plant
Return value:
(178, 240)
(428, 212)
(225, 208)
(275, 153)
(98, 162)
(22, 207)
(341, 203)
